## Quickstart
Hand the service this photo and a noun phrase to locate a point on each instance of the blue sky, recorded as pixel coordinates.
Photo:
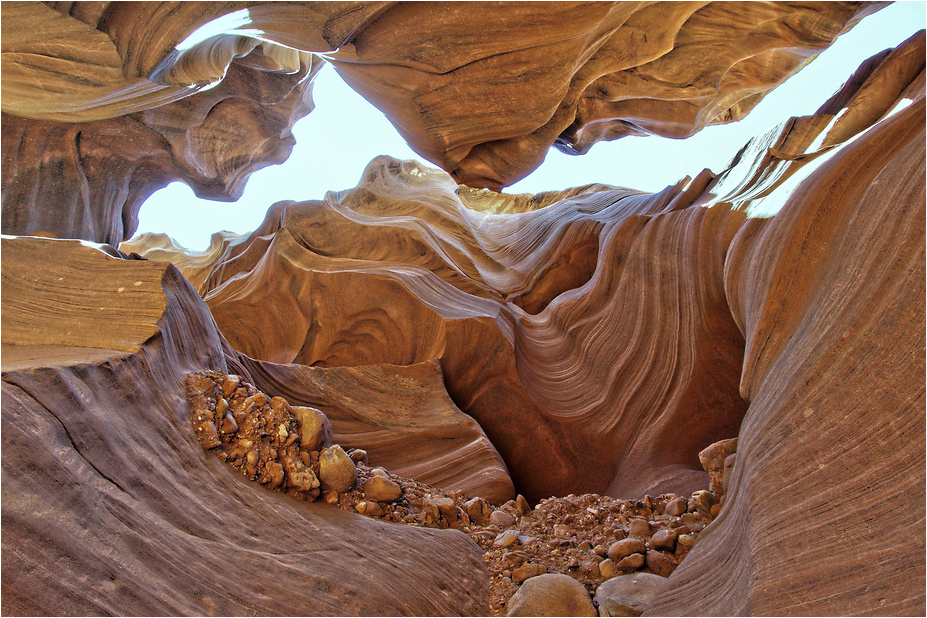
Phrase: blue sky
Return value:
(336, 141)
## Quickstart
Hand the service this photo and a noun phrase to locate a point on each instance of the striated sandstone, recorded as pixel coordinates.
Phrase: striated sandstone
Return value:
(142, 71)
(594, 339)
(99, 454)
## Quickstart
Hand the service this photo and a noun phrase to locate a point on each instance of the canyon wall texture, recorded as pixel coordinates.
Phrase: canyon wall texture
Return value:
(592, 340)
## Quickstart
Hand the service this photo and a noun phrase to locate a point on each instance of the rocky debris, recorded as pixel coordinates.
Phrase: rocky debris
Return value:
(551, 595)
(712, 459)
(589, 539)
(260, 437)
(627, 595)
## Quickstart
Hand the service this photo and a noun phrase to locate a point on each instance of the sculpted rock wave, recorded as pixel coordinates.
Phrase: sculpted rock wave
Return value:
(130, 500)
(593, 340)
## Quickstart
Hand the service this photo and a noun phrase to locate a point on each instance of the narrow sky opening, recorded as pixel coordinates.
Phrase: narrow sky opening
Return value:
(336, 141)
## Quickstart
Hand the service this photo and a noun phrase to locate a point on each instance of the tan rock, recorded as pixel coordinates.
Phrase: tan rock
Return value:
(336, 470)
(664, 540)
(625, 547)
(676, 507)
(506, 538)
(315, 430)
(478, 510)
(607, 568)
(659, 563)
(502, 518)
(630, 563)
(628, 595)
(551, 595)
(527, 571)
(380, 489)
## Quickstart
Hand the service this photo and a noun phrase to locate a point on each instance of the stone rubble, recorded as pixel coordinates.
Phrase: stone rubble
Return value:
(590, 539)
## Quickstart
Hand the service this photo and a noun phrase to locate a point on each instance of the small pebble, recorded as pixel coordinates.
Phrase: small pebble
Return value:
(502, 518)
(478, 510)
(676, 507)
(703, 501)
(693, 521)
(663, 540)
(659, 563)
(336, 470)
(630, 563)
(506, 539)
(527, 571)
(370, 509)
(381, 489)
(685, 541)
(607, 569)
(639, 528)
(620, 549)
(444, 505)
(230, 383)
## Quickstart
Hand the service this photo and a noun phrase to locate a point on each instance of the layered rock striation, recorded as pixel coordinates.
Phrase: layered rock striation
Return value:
(589, 341)
(106, 481)
(106, 102)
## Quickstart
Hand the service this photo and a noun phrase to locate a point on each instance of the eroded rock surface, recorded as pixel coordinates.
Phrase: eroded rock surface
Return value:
(589, 342)
(105, 103)
(104, 477)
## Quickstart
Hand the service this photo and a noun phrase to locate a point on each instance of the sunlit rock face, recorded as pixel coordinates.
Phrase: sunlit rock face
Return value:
(580, 389)
(88, 136)
(589, 340)
(599, 71)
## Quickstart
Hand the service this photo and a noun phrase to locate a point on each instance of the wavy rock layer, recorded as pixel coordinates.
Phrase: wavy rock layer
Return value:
(105, 103)
(111, 505)
(593, 340)
(605, 337)
(400, 271)
(458, 90)
(830, 294)
(609, 70)
(88, 180)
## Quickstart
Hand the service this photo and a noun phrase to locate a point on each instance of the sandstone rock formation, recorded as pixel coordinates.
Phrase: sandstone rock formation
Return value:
(88, 179)
(593, 340)
(89, 134)
(111, 505)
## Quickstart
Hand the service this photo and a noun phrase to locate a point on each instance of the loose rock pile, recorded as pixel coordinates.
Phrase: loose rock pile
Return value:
(589, 538)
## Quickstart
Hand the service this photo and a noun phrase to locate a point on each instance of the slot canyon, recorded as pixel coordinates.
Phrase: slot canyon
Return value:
(427, 396)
